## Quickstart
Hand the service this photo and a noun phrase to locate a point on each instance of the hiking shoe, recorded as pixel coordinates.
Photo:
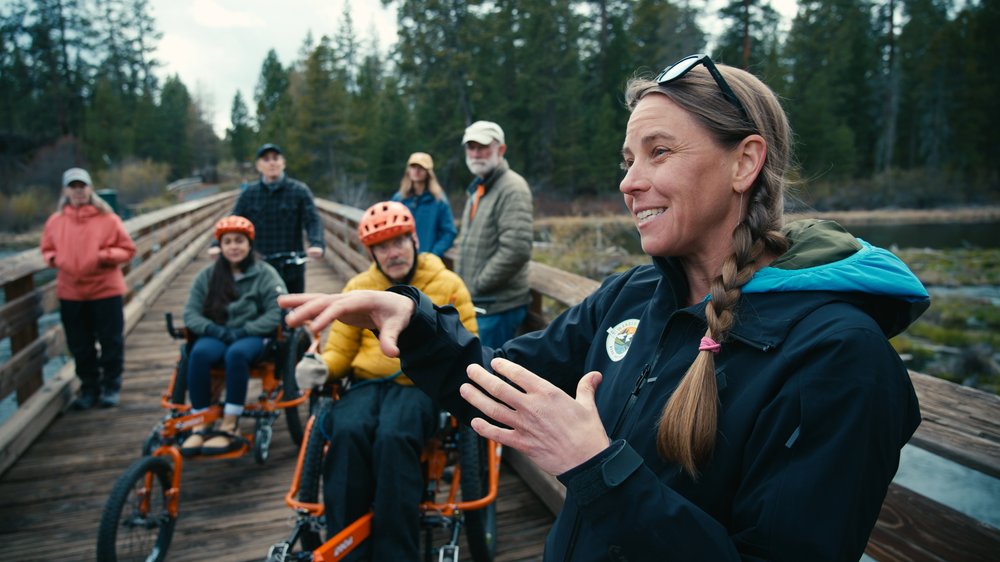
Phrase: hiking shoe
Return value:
(84, 401)
(110, 398)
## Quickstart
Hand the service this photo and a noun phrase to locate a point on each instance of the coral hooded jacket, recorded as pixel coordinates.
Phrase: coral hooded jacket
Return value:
(87, 247)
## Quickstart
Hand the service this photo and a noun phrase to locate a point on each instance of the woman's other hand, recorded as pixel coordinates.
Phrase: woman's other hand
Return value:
(556, 431)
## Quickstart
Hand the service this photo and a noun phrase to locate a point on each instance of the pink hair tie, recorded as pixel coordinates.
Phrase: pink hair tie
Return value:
(708, 344)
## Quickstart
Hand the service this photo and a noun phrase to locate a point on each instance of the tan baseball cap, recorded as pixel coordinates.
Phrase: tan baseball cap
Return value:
(421, 159)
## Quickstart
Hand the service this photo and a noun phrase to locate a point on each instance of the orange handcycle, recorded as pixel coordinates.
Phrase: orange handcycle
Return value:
(461, 475)
(141, 511)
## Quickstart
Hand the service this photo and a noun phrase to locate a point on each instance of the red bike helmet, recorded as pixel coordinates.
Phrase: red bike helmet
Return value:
(383, 221)
(234, 223)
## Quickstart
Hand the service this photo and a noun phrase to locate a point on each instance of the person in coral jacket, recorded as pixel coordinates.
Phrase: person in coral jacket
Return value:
(87, 243)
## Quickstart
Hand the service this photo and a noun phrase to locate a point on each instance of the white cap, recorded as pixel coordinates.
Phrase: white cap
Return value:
(483, 132)
(76, 174)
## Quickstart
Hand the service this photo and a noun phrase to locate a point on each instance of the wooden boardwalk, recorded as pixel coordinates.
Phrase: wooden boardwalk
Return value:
(230, 510)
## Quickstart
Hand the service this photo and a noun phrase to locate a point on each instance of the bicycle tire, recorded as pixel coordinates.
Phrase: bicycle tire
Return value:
(148, 537)
(311, 477)
(295, 348)
(480, 524)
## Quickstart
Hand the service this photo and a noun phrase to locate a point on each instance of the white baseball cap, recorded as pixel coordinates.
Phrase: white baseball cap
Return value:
(76, 174)
(483, 132)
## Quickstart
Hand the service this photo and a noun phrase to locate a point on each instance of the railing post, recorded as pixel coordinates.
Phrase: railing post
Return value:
(24, 337)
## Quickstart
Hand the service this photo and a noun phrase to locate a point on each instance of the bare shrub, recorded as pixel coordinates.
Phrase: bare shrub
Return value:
(29, 209)
(135, 180)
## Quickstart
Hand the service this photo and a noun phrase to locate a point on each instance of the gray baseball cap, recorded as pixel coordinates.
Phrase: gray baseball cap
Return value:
(76, 174)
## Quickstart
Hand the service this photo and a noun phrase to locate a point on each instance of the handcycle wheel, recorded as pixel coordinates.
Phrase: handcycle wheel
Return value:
(296, 346)
(480, 524)
(312, 470)
(129, 529)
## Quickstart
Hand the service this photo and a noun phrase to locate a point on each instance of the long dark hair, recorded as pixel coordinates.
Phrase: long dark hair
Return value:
(222, 288)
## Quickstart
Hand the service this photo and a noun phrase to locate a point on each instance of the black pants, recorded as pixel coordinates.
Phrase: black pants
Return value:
(87, 323)
(373, 462)
(293, 275)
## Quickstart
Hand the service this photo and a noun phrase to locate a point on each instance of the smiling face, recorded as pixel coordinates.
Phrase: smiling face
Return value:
(235, 247)
(678, 183)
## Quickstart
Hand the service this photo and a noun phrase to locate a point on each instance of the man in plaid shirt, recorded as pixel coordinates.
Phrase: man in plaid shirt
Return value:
(281, 208)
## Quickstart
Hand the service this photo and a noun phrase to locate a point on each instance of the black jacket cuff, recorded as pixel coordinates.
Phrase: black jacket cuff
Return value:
(606, 470)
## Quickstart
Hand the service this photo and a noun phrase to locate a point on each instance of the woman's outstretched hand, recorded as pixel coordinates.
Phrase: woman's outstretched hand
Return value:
(389, 313)
(556, 431)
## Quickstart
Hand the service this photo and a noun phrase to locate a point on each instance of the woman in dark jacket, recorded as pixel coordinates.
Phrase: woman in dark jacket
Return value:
(232, 308)
(737, 398)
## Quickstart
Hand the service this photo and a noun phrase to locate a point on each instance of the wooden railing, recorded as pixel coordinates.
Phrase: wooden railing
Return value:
(166, 241)
(959, 423)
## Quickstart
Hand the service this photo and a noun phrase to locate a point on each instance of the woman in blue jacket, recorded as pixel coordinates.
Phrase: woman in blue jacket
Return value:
(737, 398)
(420, 191)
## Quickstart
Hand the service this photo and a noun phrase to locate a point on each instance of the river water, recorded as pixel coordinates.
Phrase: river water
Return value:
(963, 489)
(931, 235)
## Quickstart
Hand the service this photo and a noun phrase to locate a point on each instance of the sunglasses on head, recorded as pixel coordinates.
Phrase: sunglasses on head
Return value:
(677, 70)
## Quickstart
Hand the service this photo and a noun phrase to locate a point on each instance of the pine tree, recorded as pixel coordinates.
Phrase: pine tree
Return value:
(318, 128)
(663, 33)
(836, 113)
(240, 135)
(750, 39)
(607, 65)
(175, 117)
(273, 105)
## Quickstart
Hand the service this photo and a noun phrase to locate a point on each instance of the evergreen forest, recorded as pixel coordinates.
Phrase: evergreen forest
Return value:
(893, 102)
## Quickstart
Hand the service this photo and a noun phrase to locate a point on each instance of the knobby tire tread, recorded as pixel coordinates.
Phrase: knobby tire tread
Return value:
(116, 506)
(480, 524)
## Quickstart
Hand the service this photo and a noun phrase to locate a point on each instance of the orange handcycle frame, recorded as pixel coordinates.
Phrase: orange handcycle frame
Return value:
(162, 464)
(441, 507)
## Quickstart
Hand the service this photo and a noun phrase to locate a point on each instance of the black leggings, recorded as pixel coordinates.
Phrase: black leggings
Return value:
(86, 323)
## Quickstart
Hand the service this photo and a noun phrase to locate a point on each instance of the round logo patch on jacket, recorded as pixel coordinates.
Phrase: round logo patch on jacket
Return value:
(620, 338)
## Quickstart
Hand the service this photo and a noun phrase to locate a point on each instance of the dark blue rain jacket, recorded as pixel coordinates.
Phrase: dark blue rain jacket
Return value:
(814, 404)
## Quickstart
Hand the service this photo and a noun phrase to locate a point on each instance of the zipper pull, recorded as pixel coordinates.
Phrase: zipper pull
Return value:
(641, 380)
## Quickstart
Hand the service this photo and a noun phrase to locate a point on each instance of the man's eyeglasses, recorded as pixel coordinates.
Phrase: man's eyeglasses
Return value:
(681, 67)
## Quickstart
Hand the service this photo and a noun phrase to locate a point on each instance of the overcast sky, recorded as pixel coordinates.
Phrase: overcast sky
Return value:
(217, 46)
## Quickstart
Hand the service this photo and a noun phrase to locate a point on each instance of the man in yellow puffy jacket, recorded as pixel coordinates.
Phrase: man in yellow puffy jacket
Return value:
(379, 426)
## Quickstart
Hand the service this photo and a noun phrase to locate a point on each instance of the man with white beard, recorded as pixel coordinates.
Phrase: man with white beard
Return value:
(494, 242)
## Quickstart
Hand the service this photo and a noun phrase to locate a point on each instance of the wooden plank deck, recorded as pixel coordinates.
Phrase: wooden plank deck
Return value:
(230, 510)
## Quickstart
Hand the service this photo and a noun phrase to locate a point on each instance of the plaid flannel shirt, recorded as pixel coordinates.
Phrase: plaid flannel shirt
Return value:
(280, 212)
